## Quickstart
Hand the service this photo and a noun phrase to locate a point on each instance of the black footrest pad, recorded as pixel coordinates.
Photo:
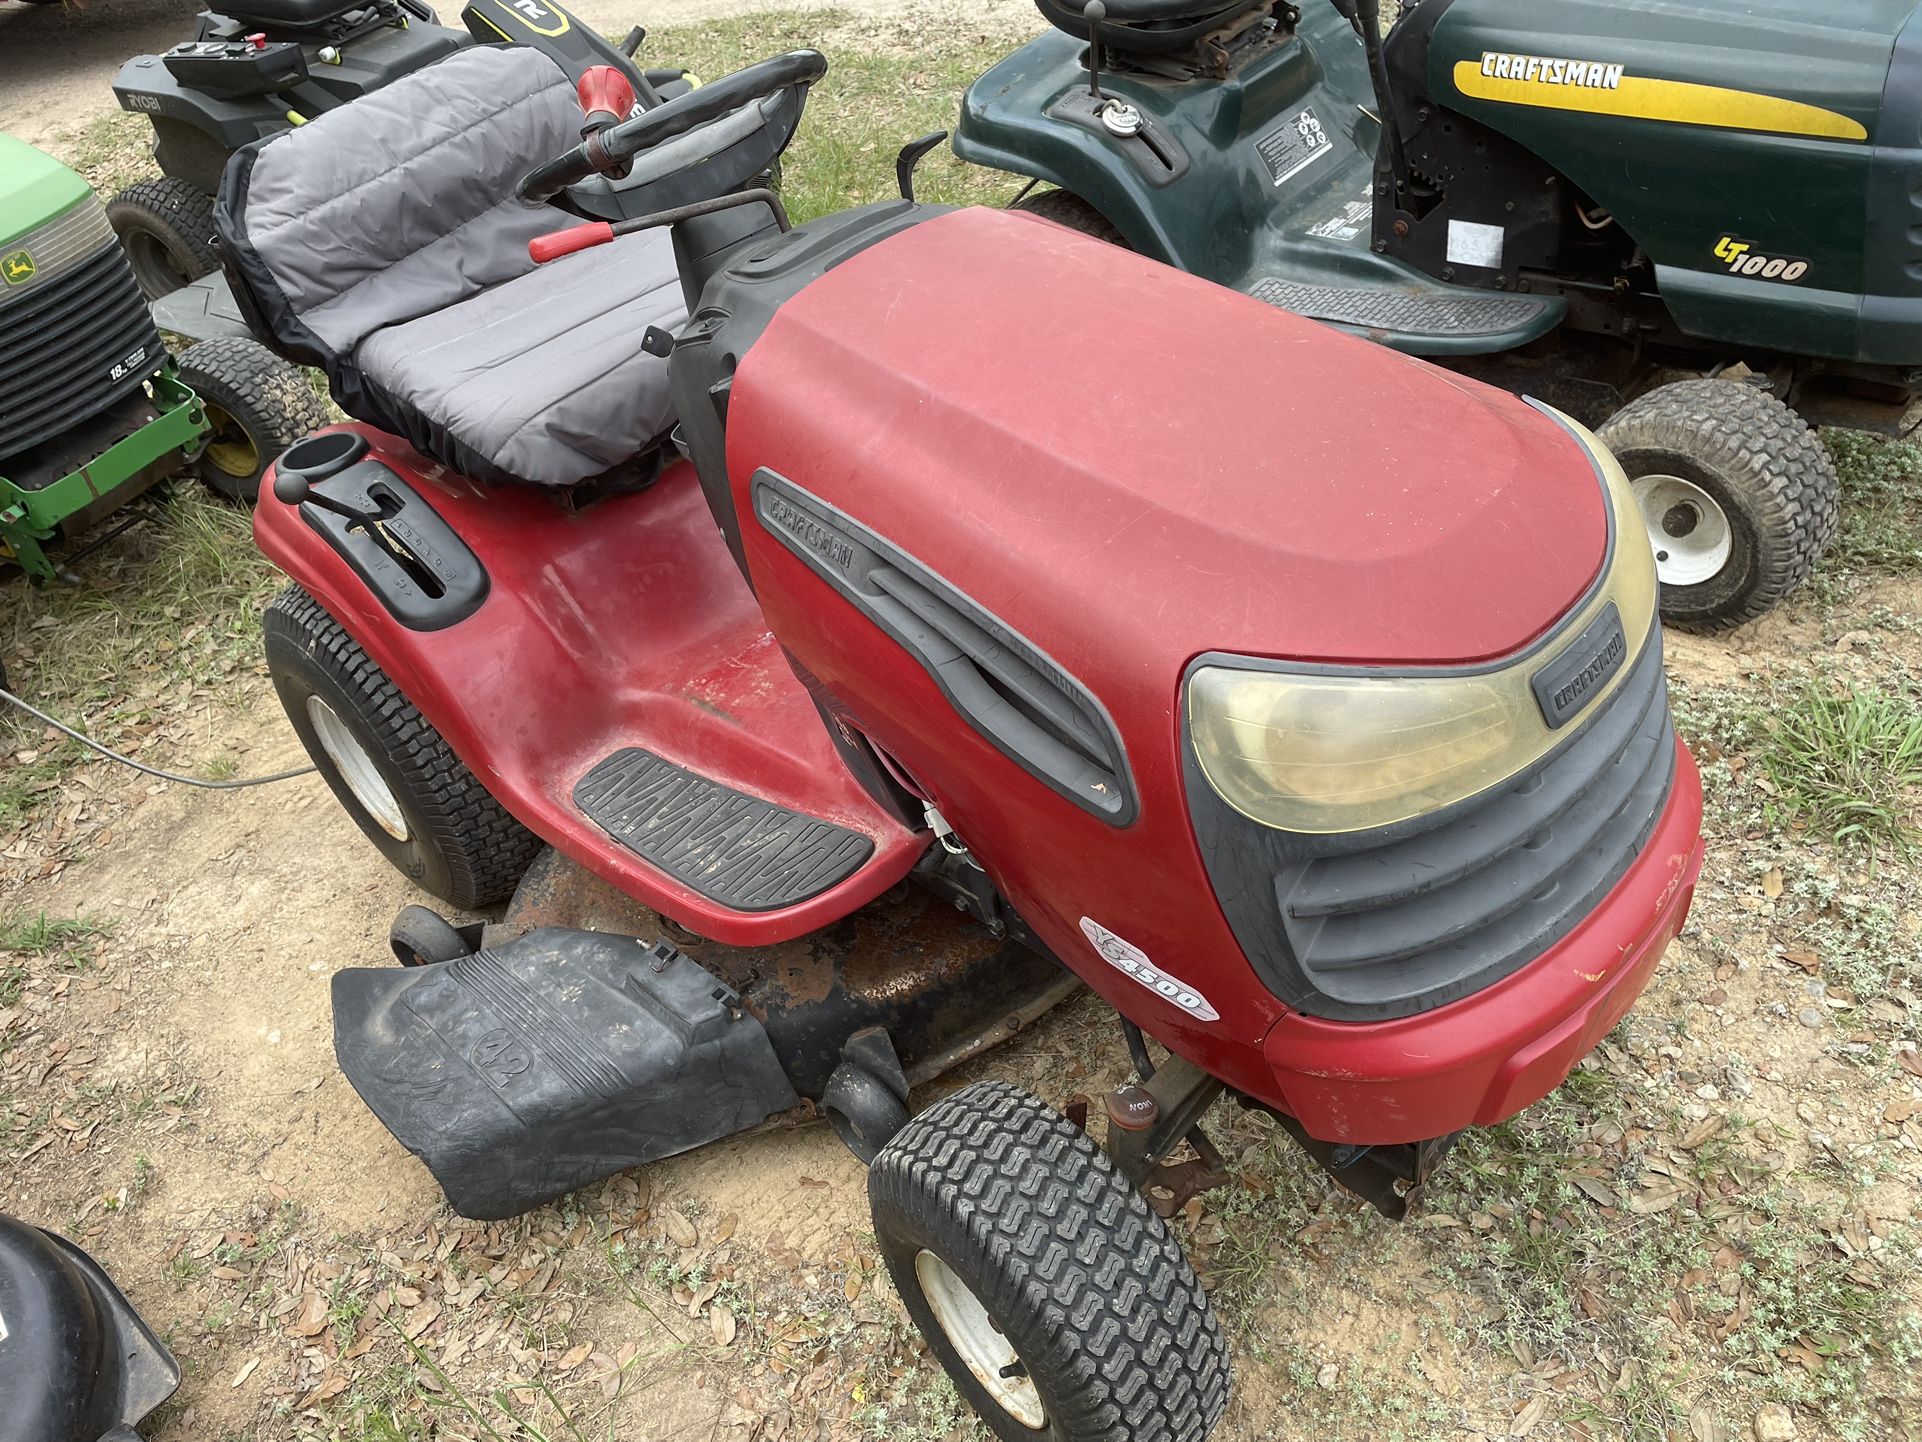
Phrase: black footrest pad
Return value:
(743, 852)
(1397, 311)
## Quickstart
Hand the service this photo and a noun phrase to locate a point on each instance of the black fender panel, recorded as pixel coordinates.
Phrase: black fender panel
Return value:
(76, 1362)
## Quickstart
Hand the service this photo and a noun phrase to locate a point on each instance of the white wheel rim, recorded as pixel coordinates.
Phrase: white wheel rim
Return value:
(978, 1342)
(356, 768)
(1687, 527)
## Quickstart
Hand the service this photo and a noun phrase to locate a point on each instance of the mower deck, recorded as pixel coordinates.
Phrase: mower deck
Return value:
(567, 1048)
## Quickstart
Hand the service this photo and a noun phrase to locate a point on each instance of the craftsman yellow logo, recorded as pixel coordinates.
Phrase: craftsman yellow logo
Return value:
(1552, 70)
(16, 267)
(1599, 87)
(1743, 260)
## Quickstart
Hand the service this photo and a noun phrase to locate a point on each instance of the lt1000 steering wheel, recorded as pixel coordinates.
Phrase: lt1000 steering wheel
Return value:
(610, 151)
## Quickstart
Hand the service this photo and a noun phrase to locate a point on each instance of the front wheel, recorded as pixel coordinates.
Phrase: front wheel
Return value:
(166, 226)
(1738, 496)
(1058, 1302)
(257, 405)
(1064, 207)
(405, 789)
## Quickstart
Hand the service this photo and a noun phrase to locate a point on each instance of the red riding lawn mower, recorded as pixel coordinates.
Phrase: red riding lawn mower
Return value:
(1336, 755)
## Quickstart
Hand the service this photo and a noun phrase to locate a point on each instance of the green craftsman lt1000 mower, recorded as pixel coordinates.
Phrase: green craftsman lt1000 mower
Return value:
(1683, 221)
(93, 409)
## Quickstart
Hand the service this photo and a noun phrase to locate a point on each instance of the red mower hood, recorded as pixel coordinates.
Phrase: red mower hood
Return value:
(1077, 435)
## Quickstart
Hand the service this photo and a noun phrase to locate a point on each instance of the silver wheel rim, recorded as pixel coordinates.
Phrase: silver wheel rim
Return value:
(1687, 527)
(356, 768)
(977, 1341)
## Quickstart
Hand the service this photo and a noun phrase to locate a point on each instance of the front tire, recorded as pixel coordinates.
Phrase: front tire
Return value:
(1058, 1302)
(412, 797)
(166, 226)
(257, 405)
(1064, 207)
(1739, 497)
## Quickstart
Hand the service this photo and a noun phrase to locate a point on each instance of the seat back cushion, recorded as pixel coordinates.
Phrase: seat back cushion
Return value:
(399, 204)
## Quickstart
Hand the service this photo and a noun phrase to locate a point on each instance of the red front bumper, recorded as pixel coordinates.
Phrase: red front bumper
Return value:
(1482, 1059)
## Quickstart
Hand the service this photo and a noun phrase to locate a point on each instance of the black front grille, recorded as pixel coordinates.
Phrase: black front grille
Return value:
(1416, 916)
(61, 343)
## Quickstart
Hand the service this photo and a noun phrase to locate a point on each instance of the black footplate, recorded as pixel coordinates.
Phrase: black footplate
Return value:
(524, 1071)
(738, 850)
(1442, 315)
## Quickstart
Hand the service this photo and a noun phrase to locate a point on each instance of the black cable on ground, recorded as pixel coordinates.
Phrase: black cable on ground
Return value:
(112, 755)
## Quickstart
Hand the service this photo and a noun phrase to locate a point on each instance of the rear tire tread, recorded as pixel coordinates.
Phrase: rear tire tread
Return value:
(486, 848)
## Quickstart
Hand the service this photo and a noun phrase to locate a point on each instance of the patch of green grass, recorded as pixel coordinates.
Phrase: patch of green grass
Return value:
(1881, 527)
(166, 610)
(37, 933)
(1848, 761)
(887, 84)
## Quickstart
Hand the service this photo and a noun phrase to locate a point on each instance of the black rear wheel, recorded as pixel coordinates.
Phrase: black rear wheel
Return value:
(257, 405)
(166, 226)
(1064, 207)
(405, 789)
(1058, 1302)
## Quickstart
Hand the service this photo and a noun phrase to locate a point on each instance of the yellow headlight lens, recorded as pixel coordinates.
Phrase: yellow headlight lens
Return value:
(1351, 751)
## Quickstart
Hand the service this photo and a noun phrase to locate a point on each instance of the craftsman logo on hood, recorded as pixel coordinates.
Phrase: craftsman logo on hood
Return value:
(1552, 70)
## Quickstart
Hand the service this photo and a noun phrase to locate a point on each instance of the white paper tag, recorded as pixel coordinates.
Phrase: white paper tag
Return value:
(1131, 960)
(1472, 243)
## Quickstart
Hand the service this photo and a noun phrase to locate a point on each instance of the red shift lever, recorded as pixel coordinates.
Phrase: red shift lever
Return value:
(258, 40)
(543, 248)
(607, 97)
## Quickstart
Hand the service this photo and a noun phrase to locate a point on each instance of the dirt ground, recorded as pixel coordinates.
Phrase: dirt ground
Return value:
(1709, 1233)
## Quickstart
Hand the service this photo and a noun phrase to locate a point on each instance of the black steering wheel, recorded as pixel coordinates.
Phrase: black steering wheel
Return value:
(609, 151)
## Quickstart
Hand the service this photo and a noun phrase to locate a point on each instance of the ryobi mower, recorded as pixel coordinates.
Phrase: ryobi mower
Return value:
(93, 410)
(1681, 221)
(700, 568)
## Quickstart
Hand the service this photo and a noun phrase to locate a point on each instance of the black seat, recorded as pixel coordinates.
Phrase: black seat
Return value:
(1154, 27)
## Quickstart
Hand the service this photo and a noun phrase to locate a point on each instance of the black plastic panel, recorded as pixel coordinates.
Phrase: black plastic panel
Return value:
(526, 1070)
(1003, 685)
(738, 850)
(412, 561)
(1399, 921)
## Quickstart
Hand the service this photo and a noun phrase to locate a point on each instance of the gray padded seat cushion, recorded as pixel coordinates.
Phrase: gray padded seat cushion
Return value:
(393, 250)
(545, 374)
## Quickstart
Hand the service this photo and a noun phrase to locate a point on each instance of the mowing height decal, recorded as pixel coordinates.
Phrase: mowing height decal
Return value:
(1604, 87)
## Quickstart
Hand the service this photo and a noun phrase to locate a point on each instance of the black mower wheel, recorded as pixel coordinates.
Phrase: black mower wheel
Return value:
(1064, 207)
(1057, 1301)
(1739, 496)
(405, 789)
(166, 226)
(421, 936)
(257, 406)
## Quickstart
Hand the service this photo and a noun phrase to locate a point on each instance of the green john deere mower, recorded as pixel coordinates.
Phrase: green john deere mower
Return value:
(1696, 225)
(93, 409)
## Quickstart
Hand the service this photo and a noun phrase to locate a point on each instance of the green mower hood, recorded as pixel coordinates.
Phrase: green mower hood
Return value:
(1763, 154)
(34, 187)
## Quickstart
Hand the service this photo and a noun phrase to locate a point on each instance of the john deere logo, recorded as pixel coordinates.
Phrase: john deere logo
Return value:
(16, 267)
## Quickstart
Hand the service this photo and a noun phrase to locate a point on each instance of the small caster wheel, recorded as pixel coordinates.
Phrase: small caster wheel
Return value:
(421, 937)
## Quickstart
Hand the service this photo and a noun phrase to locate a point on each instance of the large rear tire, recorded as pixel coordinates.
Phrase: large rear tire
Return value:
(166, 226)
(1064, 207)
(1057, 1301)
(257, 405)
(1739, 497)
(405, 789)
